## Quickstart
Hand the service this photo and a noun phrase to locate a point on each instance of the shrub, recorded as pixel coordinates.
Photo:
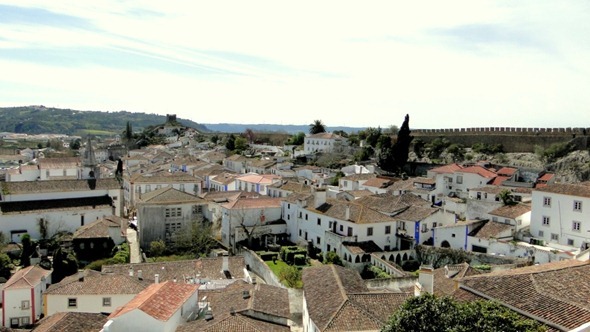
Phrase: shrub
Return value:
(411, 265)
(269, 256)
(299, 259)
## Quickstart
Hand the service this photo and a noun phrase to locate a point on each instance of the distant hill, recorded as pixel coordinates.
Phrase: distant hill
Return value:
(290, 129)
(43, 120)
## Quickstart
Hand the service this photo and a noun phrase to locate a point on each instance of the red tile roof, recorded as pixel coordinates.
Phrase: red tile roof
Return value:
(450, 168)
(72, 322)
(557, 294)
(507, 171)
(479, 170)
(160, 301)
(498, 180)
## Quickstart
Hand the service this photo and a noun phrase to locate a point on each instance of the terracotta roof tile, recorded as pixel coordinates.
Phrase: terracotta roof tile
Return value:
(254, 203)
(169, 195)
(59, 186)
(95, 282)
(72, 322)
(202, 268)
(511, 211)
(325, 136)
(26, 277)
(507, 171)
(160, 301)
(491, 229)
(581, 189)
(447, 169)
(479, 170)
(557, 292)
(100, 228)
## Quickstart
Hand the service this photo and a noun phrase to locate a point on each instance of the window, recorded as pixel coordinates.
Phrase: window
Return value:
(386, 248)
(181, 187)
(148, 188)
(197, 209)
(82, 220)
(306, 216)
(570, 242)
(387, 229)
(24, 305)
(424, 228)
(433, 224)
(299, 232)
(546, 201)
(370, 231)
(345, 183)
(342, 228)
(318, 240)
(541, 234)
(288, 206)
(72, 303)
(576, 226)
(319, 222)
(173, 212)
(578, 206)
(506, 221)
(106, 301)
(453, 235)
(545, 221)
(459, 179)
(554, 237)
(349, 231)
(494, 218)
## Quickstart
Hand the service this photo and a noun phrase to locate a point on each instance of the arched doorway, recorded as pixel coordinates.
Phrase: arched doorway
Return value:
(445, 244)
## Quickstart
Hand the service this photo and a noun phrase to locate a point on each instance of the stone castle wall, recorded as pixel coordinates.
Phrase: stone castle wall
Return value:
(513, 139)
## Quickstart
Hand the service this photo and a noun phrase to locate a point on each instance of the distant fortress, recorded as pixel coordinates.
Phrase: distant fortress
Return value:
(513, 139)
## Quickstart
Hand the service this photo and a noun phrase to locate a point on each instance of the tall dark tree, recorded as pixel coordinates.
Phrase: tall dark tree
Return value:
(230, 144)
(393, 157)
(128, 132)
(317, 127)
(27, 250)
(401, 148)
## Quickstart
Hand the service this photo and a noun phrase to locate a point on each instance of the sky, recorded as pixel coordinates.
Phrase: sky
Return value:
(448, 64)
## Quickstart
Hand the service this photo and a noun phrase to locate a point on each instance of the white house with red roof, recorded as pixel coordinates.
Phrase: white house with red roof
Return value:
(161, 307)
(22, 302)
(254, 182)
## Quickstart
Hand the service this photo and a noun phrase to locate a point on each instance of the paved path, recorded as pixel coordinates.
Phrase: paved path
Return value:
(135, 255)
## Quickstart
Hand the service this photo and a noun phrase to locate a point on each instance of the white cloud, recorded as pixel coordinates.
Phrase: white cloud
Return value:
(447, 64)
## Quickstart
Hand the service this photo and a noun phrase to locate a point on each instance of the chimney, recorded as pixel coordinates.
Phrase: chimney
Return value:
(81, 276)
(225, 265)
(157, 278)
(426, 278)
(139, 274)
(319, 197)
(131, 271)
(245, 294)
(347, 213)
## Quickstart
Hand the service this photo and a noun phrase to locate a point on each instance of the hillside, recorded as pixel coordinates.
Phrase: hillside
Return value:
(289, 129)
(42, 120)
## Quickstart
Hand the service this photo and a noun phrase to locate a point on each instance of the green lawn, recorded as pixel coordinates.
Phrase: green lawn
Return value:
(276, 267)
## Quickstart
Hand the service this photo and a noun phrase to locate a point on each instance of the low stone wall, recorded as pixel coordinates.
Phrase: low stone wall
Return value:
(258, 266)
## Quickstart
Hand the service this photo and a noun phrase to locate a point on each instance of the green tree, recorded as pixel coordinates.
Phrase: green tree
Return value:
(214, 139)
(128, 133)
(372, 136)
(64, 264)
(507, 197)
(393, 156)
(249, 135)
(157, 248)
(196, 239)
(436, 147)
(428, 313)
(317, 127)
(240, 144)
(230, 144)
(290, 276)
(6, 266)
(27, 250)
(419, 146)
(332, 257)
(457, 151)
(296, 139)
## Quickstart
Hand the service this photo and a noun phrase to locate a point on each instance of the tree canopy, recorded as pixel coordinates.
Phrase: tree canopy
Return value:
(393, 156)
(317, 127)
(428, 313)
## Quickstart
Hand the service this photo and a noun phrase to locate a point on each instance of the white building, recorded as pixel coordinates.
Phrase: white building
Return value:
(258, 183)
(560, 214)
(322, 142)
(22, 302)
(64, 205)
(137, 185)
(255, 217)
(161, 307)
(92, 291)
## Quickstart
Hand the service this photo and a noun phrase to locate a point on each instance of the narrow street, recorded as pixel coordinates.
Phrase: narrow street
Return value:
(134, 252)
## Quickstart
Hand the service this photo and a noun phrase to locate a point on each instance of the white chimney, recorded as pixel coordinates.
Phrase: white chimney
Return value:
(319, 197)
(131, 271)
(426, 278)
(157, 278)
(139, 274)
(225, 265)
(347, 213)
